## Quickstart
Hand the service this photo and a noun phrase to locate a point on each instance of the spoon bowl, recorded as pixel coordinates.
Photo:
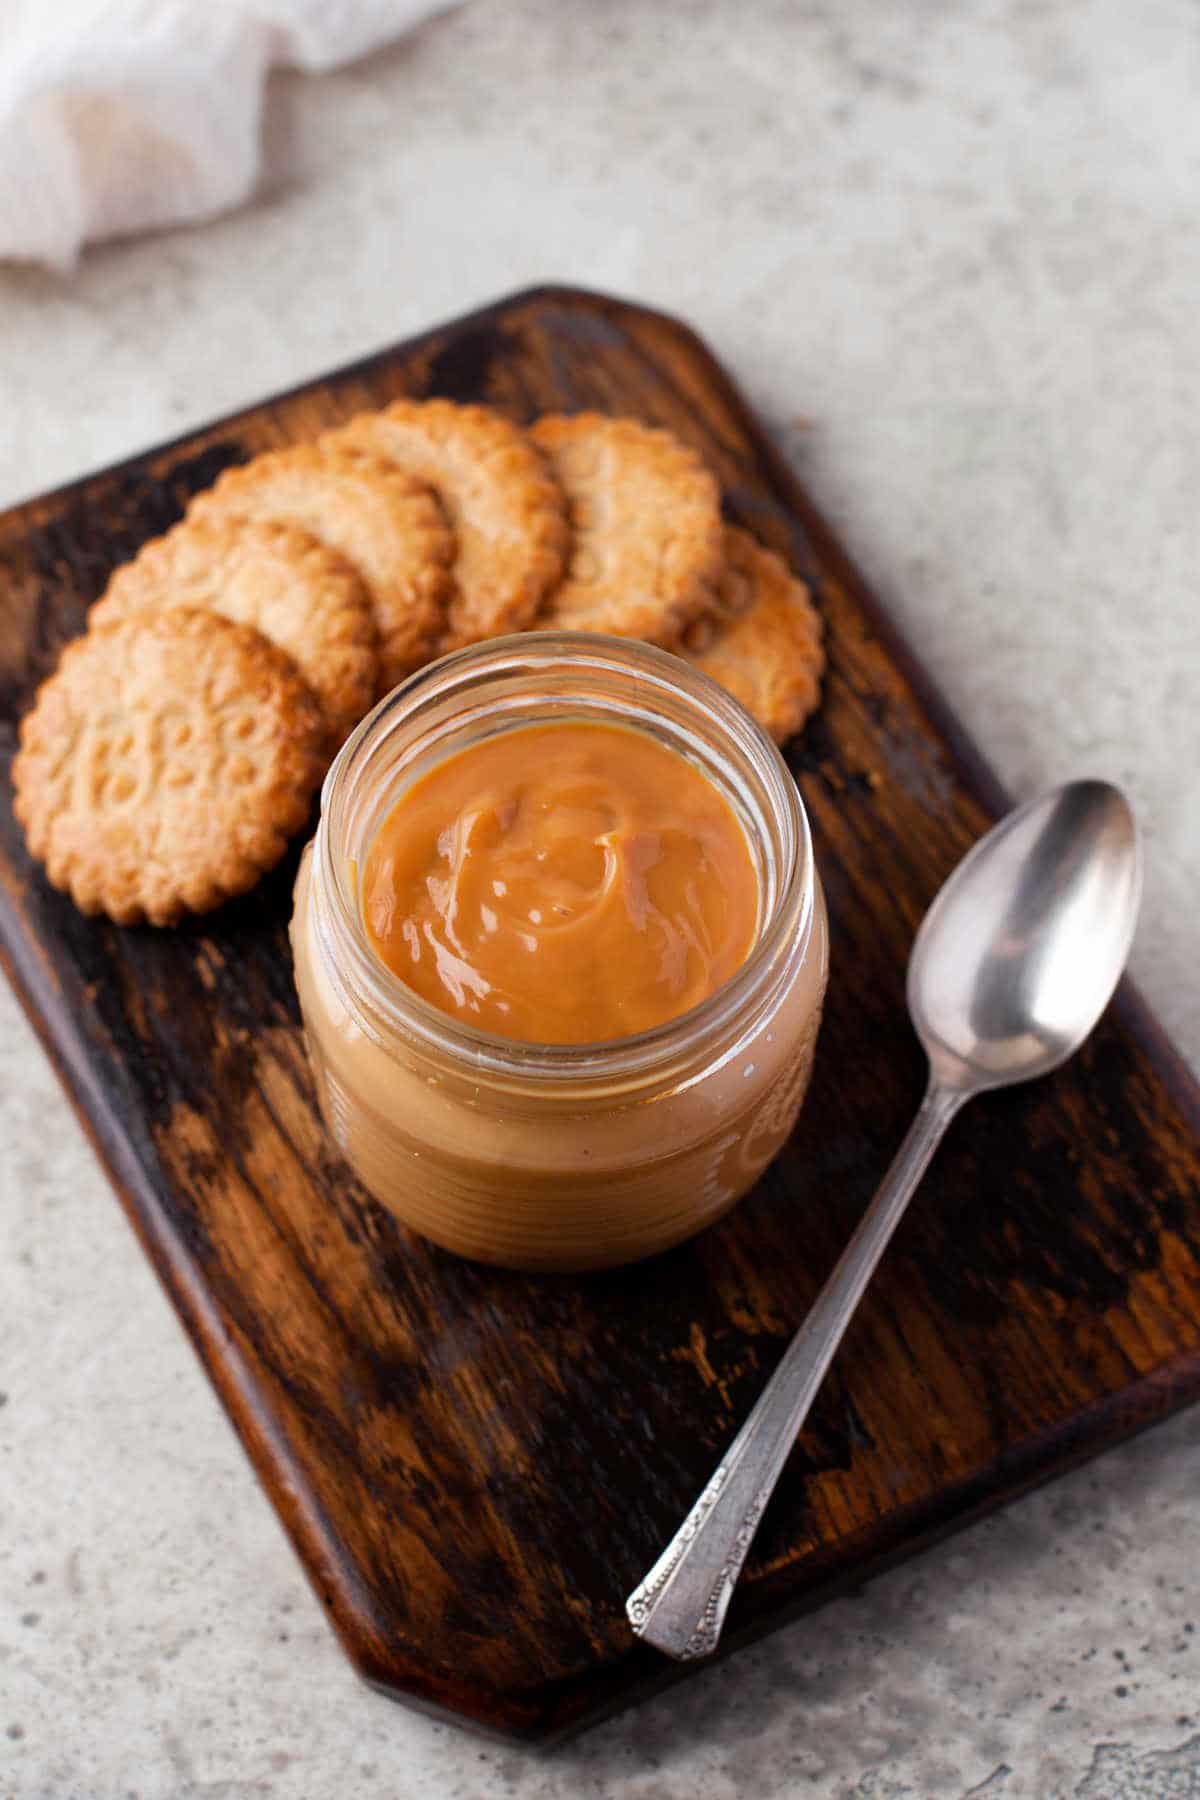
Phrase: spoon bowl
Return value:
(1018, 955)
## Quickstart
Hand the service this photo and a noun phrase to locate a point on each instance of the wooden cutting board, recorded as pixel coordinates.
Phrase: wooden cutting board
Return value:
(475, 1466)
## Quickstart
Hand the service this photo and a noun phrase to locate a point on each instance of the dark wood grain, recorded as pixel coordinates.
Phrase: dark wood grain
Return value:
(476, 1466)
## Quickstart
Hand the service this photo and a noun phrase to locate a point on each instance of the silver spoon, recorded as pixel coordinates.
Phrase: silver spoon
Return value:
(1012, 966)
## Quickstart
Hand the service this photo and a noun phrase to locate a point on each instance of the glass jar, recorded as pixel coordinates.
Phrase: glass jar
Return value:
(558, 1156)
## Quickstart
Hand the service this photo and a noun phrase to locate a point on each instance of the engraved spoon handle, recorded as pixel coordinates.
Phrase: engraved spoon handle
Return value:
(680, 1605)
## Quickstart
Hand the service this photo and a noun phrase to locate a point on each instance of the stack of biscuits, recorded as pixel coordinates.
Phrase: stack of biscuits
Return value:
(177, 747)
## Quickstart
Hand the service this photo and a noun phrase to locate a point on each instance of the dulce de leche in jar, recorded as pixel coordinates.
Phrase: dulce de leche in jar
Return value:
(561, 952)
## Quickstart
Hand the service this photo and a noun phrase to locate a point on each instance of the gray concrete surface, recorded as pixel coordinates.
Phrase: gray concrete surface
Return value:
(951, 252)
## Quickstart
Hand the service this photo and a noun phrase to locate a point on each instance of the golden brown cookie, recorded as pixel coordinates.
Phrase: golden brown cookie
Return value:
(765, 646)
(646, 522)
(304, 597)
(385, 522)
(508, 516)
(165, 764)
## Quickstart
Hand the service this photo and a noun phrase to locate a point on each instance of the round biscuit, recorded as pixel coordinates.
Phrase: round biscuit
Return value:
(304, 597)
(165, 764)
(764, 645)
(646, 521)
(508, 516)
(384, 521)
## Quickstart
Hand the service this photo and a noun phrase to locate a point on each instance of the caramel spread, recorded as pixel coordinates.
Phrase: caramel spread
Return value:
(562, 884)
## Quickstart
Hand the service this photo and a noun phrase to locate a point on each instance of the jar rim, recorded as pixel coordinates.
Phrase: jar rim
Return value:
(401, 1008)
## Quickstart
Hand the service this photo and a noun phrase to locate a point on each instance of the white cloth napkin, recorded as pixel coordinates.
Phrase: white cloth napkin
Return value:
(120, 115)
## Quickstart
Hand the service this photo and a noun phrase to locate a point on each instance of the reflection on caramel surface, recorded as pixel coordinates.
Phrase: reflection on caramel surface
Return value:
(563, 883)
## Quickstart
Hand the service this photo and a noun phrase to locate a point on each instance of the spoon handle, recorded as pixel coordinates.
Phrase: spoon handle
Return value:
(680, 1605)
